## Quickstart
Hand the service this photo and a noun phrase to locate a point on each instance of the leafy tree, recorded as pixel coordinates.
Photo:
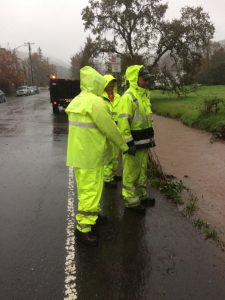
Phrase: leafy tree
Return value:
(11, 70)
(212, 70)
(217, 67)
(138, 31)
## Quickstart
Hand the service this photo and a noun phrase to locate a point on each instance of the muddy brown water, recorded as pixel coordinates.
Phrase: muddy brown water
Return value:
(191, 156)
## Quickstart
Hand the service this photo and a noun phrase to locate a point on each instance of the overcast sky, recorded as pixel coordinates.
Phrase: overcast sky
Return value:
(56, 26)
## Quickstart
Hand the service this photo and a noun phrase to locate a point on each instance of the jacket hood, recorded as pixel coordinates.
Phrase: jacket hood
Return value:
(109, 78)
(131, 75)
(91, 81)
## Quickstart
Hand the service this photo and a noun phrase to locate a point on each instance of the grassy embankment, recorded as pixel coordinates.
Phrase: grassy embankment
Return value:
(204, 108)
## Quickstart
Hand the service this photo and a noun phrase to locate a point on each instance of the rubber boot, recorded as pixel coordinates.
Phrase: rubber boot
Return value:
(87, 238)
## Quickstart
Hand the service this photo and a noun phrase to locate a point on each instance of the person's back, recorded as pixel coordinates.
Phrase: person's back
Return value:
(90, 147)
(91, 131)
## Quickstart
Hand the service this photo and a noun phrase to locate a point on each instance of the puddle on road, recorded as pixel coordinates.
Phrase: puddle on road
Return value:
(189, 155)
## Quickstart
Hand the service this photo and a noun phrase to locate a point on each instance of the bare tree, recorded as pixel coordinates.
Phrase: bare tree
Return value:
(139, 33)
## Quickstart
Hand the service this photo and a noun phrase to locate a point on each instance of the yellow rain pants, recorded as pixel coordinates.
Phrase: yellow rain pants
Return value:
(110, 170)
(89, 189)
(135, 177)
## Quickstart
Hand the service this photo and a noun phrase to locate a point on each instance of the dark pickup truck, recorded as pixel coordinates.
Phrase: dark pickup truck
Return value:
(62, 91)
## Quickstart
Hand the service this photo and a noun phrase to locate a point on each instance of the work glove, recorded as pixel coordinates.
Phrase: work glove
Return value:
(152, 143)
(152, 132)
(131, 150)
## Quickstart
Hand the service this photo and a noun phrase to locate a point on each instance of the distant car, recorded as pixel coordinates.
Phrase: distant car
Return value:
(23, 90)
(36, 89)
(31, 90)
(2, 97)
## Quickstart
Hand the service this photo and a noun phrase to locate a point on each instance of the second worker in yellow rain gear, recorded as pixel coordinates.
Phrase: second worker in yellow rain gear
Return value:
(91, 132)
(136, 125)
(112, 100)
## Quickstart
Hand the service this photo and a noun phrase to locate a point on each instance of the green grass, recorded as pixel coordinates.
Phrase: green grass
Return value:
(191, 206)
(171, 189)
(208, 231)
(189, 108)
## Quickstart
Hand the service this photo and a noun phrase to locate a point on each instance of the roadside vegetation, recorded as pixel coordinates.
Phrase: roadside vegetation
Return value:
(185, 199)
(203, 107)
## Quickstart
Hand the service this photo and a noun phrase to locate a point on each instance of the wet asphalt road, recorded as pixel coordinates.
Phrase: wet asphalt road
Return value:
(158, 256)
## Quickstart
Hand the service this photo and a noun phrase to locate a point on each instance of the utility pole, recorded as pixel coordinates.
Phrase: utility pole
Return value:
(31, 68)
(16, 61)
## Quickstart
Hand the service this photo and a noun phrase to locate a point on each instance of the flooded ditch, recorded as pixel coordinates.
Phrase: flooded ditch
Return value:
(191, 156)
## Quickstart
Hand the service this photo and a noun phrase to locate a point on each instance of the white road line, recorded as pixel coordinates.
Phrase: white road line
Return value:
(70, 268)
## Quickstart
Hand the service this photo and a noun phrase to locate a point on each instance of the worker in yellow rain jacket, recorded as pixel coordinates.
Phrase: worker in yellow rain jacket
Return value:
(91, 132)
(135, 123)
(112, 100)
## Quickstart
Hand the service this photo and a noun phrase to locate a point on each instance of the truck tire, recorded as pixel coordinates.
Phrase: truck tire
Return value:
(55, 109)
